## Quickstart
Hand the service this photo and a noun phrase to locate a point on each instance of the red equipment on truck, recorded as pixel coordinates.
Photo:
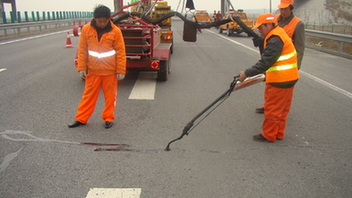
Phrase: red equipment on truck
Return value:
(144, 51)
(148, 46)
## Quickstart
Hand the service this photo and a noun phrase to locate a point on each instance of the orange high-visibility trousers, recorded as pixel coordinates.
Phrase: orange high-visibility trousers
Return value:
(90, 97)
(277, 106)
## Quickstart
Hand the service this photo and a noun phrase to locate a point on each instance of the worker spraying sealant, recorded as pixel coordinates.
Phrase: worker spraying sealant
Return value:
(279, 61)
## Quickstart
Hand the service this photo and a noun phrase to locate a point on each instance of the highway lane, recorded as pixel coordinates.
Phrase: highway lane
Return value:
(40, 91)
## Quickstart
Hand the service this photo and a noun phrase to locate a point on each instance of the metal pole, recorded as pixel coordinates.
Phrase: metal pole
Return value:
(4, 18)
(118, 5)
(270, 7)
(18, 17)
(26, 16)
(12, 15)
(223, 9)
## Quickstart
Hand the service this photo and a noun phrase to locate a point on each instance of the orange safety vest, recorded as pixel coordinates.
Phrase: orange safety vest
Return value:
(104, 57)
(285, 68)
(291, 26)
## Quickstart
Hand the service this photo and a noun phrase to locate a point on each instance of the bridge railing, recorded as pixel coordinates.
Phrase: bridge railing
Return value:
(333, 43)
(20, 17)
(11, 30)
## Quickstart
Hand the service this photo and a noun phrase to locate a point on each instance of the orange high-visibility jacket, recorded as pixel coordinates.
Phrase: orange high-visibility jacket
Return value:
(104, 57)
(285, 68)
(291, 26)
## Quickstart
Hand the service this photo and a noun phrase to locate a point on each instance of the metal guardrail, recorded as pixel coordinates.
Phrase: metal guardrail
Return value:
(341, 38)
(18, 28)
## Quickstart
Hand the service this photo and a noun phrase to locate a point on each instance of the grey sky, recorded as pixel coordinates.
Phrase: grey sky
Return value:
(88, 5)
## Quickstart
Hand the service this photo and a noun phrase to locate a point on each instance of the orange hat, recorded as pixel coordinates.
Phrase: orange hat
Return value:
(285, 3)
(264, 18)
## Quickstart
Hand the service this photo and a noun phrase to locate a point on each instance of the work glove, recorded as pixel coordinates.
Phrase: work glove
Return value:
(120, 76)
(258, 41)
(83, 74)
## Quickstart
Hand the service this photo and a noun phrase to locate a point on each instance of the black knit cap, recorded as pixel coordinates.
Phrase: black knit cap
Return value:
(102, 11)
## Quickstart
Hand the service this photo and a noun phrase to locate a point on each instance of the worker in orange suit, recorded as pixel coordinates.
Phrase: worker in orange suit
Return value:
(294, 28)
(279, 61)
(102, 62)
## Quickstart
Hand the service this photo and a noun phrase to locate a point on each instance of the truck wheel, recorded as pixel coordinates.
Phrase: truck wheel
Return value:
(76, 30)
(229, 32)
(164, 70)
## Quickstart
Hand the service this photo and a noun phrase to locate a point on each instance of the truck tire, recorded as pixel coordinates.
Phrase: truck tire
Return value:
(164, 70)
(76, 30)
(229, 31)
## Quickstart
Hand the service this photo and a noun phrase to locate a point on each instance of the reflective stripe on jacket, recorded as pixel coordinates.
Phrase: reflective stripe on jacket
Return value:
(104, 57)
(285, 68)
(101, 55)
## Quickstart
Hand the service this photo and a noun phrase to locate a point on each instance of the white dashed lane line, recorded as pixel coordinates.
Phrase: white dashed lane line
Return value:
(144, 87)
(114, 193)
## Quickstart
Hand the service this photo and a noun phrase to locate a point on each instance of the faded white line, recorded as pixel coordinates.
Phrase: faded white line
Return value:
(144, 87)
(342, 91)
(114, 193)
(331, 86)
(3, 69)
(8, 158)
(240, 44)
(33, 37)
(27, 137)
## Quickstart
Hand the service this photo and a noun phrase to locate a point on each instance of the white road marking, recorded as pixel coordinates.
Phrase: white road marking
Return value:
(27, 137)
(233, 41)
(33, 37)
(2, 69)
(8, 158)
(329, 85)
(144, 87)
(342, 91)
(114, 193)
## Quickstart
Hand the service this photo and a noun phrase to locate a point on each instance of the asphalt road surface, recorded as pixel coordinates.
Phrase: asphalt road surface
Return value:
(41, 157)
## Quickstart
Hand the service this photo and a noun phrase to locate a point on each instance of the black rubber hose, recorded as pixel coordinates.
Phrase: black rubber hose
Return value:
(123, 16)
(245, 28)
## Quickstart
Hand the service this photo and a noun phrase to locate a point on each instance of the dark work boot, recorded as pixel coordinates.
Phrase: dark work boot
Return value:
(76, 124)
(260, 138)
(108, 124)
(259, 110)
